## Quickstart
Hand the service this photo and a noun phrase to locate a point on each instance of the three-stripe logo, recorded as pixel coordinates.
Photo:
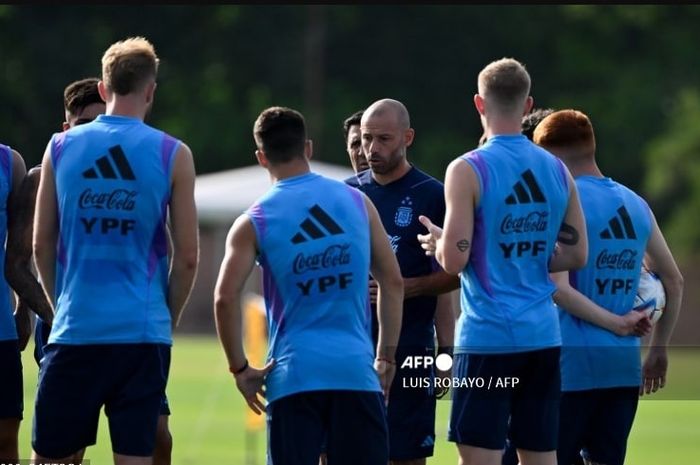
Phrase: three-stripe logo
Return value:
(526, 190)
(620, 226)
(104, 168)
(323, 226)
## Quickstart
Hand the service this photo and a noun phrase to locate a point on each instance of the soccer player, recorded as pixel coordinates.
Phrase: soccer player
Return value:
(103, 262)
(82, 103)
(12, 171)
(401, 192)
(316, 240)
(353, 142)
(602, 376)
(507, 204)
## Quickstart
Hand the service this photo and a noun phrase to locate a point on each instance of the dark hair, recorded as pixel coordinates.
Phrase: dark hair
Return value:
(80, 94)
(280, 132)
(352, 120)
(532, 119)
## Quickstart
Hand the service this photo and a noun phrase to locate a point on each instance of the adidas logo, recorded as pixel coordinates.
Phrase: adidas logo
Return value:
(106, 170)
(322, 227)
(619, 229)
(429, 441)
(529, 192)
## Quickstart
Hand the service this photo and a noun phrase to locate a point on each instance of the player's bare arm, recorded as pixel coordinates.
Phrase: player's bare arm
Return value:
(19, 251)
(572, 242)
(237, 265)
(452, 245)
(661, 261)
(579, 305)
(23, 321)
(436, 283)
(46, 227)
(385, 270)
(184, 233)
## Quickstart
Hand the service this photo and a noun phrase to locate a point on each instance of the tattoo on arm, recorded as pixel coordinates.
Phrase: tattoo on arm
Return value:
(463, 245)
(568, 235)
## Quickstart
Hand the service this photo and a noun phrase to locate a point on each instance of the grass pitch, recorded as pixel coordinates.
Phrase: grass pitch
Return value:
(209, 416)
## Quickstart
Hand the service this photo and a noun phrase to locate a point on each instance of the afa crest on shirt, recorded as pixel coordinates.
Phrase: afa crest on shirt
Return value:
(404, 214)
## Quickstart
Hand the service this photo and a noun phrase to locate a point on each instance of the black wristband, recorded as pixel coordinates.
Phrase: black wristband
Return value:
(240, 370)
(445, 350)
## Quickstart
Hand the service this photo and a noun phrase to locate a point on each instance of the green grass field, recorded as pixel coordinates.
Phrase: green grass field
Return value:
(208, 414)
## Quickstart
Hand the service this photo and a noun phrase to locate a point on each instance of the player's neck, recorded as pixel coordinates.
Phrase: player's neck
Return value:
(397, 173)
(124, 106)
(502, 127)
(585, 168)
(289, 170)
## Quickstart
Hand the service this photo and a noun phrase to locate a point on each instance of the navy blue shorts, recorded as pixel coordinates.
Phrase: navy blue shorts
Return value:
(11, 387)
(411, 410)
(597, 421)
(352, 424)
(41, 339)
(486, 407)
(75, 381)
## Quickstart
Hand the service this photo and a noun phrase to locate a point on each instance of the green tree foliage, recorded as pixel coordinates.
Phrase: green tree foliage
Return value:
(673, 180)
(222, 64)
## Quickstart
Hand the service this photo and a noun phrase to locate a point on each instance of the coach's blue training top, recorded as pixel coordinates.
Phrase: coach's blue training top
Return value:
(506, 295)
(618, 223)
(314, 249)
(399, 204)
(113, 179)
(7, 321)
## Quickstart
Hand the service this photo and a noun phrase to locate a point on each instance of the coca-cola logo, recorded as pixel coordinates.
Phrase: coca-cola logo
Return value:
(623, 260)
(335, 255)
(532, 222)
(118, 199)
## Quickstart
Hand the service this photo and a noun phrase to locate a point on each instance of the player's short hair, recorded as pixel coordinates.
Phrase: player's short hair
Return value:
(352, 120)
(128, 65)
(79, 94)
(566, 129)
(532, 119)
(280, 132)
(505, 84)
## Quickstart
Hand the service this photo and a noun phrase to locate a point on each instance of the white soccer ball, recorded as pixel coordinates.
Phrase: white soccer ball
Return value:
(651, 296)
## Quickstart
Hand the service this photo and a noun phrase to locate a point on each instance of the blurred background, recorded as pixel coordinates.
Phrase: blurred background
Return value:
(635, 70)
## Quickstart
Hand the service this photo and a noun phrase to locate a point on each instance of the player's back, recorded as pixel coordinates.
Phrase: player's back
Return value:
(618, 223)
(314, 249)
(7, 322)
(506, 290)
(113, 179)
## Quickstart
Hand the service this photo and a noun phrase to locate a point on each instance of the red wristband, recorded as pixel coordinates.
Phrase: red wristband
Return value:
(382, 359)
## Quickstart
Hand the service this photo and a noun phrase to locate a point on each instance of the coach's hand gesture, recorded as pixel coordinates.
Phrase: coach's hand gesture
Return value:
(250, 383)
(428, 241)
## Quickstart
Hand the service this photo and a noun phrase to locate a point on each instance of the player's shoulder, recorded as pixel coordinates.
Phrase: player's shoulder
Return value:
(629, 192)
